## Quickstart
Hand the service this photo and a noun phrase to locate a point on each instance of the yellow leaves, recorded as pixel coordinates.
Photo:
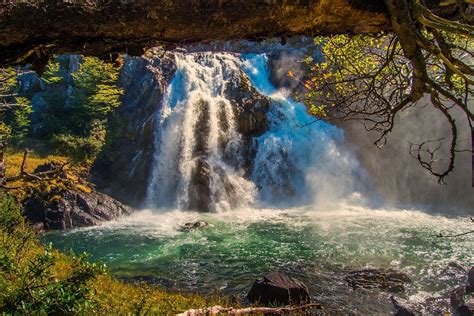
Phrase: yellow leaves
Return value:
(291, 74)
(83, 188)
(319, 111)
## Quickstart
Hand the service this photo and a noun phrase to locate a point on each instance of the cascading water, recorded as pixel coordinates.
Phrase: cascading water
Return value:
(300, 159)
(196, 126)
(262, 214)
(297, 160)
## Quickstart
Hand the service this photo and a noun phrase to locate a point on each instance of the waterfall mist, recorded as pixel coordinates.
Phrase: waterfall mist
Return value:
(400, 179)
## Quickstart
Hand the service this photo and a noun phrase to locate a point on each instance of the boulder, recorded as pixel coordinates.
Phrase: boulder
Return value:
(250, 106)
(401, 309)
(459, 298)
(277, 288)
(385, 279)
(70, 209)
(47, 167)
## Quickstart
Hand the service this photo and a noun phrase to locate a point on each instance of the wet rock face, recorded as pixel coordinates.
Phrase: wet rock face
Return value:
(277, 288)
(250, 107)
(470, 277)
(74, 209)
(123, 170)
(385, 279)
(199, 190)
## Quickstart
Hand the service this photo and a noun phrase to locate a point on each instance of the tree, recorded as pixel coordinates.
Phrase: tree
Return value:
(14, 110)
(14, 114)
(78, 105)
(373, 78)
(96, 93)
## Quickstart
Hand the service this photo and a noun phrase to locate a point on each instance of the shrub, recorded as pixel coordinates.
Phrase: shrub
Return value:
(36, 279)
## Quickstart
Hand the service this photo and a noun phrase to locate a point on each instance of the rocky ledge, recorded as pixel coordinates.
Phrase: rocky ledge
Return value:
(67, 201)
(74, 209)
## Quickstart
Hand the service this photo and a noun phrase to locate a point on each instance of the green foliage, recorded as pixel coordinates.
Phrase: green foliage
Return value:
(82, 148)
(10, 213)
(53, 74)
(96, 93)
(78, 106)
(36, 279)
(366, 75)
(353, 67)
(14, 110)
(18, 120)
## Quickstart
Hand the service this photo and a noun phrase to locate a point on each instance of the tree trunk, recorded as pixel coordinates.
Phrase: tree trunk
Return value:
(2, 165)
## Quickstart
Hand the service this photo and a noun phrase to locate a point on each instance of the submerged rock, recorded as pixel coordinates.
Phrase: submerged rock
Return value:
(194, 225)
(72, 209)
(277, 288)
(460, 301)
(385, 279)
(401, 309)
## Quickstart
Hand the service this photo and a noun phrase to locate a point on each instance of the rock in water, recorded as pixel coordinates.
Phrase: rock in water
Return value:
(193, 226)
(401, 310)
(385, 279)
(199, 190)
(277, 288)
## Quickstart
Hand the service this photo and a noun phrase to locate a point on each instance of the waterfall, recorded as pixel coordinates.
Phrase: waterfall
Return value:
(300, 159)
(199, 149)
(196, 126)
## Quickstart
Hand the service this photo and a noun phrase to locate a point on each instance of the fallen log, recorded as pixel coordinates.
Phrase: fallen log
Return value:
(249, 310)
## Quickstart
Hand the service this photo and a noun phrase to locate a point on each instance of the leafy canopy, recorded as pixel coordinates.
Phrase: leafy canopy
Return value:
(373, 78)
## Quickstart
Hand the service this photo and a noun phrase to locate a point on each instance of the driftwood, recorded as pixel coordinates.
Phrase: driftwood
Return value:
(249, 310)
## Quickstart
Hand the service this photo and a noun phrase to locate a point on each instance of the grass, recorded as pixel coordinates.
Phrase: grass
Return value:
(117, 297)
(106, 295)
(73, 177)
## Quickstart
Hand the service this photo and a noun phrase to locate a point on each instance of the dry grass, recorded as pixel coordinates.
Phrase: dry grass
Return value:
(13, 162)
(119, 298)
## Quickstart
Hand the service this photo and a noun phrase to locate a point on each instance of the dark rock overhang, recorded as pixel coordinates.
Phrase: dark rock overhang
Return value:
(31, 31)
